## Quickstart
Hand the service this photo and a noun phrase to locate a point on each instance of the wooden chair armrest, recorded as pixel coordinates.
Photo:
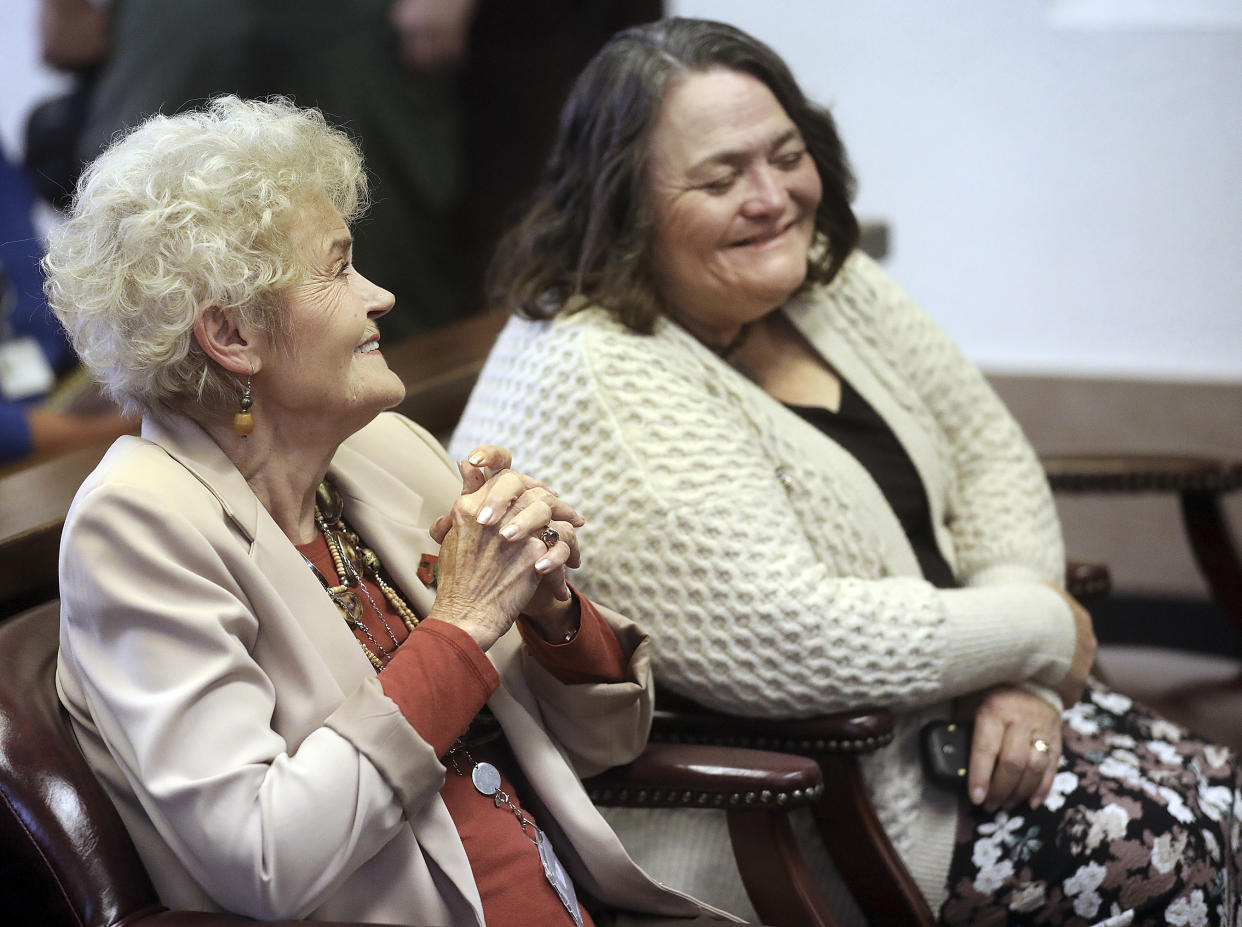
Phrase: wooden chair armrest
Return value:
(1130, 473)
(1199, 482)
(166, 918)
(681, 720)
(756, 790)
(847, 823)
(678, 776)
(439, 368)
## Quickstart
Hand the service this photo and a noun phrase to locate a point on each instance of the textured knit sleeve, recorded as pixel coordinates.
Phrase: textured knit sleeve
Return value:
(691, 532)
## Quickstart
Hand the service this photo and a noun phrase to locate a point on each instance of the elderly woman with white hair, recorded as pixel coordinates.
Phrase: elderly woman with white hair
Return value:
(291, 628)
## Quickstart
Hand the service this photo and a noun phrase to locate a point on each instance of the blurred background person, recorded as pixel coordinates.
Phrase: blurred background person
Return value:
(452, 101)
(45, 408)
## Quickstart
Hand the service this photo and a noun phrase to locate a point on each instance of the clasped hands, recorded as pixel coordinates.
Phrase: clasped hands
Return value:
(493, 564)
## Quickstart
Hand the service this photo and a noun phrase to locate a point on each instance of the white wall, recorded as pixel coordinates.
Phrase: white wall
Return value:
(1061, 200)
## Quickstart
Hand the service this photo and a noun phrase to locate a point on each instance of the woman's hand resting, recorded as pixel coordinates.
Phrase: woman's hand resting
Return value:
(494, 565)
(1006, 769)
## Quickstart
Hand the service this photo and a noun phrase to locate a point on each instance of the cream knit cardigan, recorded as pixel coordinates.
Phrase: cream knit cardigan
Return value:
(773, 576)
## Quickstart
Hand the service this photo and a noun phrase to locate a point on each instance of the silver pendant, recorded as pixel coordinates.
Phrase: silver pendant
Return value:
(558, 878)
(486, 778)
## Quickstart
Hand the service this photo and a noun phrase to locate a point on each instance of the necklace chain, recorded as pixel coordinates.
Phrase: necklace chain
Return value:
(353, 562)
(499, 796)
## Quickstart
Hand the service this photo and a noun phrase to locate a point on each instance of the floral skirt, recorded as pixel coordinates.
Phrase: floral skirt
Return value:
(1141, 827)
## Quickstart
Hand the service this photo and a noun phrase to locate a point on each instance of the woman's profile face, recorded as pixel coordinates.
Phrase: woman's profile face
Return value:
(734, 194)
(331, 368)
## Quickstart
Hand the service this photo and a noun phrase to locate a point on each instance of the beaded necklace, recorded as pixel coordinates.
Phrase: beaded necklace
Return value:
(352, 562)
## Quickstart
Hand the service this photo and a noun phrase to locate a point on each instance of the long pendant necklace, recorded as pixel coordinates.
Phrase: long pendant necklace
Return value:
(486, 779)
(352, 562)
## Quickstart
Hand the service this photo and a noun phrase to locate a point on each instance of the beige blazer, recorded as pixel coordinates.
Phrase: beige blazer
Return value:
(241, 731)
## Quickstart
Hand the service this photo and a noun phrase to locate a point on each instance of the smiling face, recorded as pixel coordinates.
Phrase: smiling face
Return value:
(328, 370)
(734, 193)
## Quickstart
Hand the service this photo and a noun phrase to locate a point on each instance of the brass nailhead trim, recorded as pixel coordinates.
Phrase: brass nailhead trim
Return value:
(800, 746)
(763, 799)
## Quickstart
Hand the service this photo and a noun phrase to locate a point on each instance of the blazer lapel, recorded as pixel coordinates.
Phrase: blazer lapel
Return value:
(437, 836)
(193, 448)
(273, 553)
(392, 519)
(389, 516)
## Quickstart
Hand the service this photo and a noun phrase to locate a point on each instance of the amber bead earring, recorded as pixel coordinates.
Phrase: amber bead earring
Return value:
(243, 421)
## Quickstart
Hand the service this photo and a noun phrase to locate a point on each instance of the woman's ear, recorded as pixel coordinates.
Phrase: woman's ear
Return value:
(222, 338)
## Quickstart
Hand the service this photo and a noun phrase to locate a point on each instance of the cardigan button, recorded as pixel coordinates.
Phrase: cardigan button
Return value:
(783, 477)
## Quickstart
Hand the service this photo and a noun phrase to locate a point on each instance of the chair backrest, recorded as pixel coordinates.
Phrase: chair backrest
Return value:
(439, 368)
(33, 503)
(58, 828)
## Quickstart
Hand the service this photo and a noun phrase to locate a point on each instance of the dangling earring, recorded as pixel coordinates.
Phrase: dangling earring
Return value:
(243, 421)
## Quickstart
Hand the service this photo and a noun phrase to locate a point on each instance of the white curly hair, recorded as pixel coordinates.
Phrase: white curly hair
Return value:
(184, 211)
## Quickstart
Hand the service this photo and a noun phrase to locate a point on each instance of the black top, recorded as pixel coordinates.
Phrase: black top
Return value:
(859, 429)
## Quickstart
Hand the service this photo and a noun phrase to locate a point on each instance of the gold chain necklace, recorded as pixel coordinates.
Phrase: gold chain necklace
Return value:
(352, 562)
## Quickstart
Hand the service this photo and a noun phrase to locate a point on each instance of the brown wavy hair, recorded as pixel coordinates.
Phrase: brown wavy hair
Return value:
(585, 240)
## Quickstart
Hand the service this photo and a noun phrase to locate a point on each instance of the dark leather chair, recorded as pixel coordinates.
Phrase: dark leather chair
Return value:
(61, 834)
(847, 823)
(69, 860)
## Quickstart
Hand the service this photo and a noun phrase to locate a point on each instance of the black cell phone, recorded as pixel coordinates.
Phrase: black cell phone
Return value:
(946, 751)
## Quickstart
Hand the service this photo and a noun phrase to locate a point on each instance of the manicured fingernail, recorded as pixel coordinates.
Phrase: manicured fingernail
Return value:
(977, 795)
(509, 532)
(484, 516)
(543, 565)
(476, 458)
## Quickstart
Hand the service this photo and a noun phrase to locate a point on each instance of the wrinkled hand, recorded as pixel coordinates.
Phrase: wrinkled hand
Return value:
(1071, 687)
(500, 516)
(434, 34)
(1005, 767)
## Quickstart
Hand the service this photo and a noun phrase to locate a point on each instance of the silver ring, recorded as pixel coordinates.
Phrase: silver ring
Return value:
(1039, 745)
(549, 537)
